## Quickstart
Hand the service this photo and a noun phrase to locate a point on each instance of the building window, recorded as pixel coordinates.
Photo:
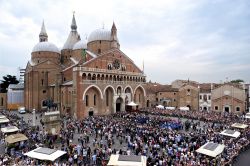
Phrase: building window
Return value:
(200, 97)
(209, 97)
(64, 79)
(99, 51)
(1, 101)
(237, 108)
(160, 93)
(44, 91)
(156, 99)
(42, 81)
(94, 99)
(188, 90)
(174, 93)
(174, 100)
(216, 108)
(87, 100)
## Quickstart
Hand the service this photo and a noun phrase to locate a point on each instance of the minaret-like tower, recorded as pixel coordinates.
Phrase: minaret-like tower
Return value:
(43, 37)
(73, 24)
(114, 42)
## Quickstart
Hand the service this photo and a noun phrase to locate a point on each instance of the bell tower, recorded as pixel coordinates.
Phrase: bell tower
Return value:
(43, 37)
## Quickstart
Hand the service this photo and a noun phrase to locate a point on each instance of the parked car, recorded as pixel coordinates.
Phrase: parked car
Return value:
(21, 110)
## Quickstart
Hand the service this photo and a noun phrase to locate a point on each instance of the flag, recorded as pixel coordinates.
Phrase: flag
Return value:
(84, 55)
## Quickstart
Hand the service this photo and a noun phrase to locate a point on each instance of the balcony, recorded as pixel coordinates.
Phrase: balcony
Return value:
(85, 69)
(109, 82)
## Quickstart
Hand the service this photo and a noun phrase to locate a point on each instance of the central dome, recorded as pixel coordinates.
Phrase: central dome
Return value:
(100, 34)
(45, 46)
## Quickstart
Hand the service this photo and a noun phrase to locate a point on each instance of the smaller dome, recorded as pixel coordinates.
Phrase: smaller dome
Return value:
(45, 46)
(100, 34)
(80, 45)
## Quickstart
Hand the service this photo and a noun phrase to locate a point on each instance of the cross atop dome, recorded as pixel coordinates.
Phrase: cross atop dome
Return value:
(43, 34)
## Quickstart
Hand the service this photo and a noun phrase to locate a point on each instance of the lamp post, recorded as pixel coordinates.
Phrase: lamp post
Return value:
(34, 117)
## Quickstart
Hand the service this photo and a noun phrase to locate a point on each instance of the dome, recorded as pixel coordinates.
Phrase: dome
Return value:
(80, 45)
(100, 34)
(45, 46)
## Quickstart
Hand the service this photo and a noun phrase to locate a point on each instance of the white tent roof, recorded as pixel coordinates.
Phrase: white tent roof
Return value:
(160, 106)
(132, 104)
(247, 115)
(170, 108)
(4, 120)
(230, 133)
(211, 149)
(184, 108)
(239, 125)
(45, 154)
(2, 116)
(9, 129)
(116, 160)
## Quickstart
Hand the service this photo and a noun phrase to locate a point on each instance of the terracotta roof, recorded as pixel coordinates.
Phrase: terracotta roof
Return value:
(205, 88)
(156, 87)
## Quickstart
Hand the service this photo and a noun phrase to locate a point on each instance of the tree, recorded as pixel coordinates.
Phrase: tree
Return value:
(7, 80)
(237, 81)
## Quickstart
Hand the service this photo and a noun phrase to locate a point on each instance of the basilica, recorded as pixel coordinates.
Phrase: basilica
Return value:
(84, 77)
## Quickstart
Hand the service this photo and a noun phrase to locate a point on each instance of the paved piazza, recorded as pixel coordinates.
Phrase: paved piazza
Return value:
(165, 137)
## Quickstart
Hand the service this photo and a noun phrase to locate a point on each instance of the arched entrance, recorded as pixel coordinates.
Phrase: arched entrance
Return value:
(189, 107)
(109, 96)
(139, 96)
(118, 104)
(227, 108)
(204, 108)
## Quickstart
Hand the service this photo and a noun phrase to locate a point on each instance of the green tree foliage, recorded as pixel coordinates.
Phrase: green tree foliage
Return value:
(7, 80)
(237, 81)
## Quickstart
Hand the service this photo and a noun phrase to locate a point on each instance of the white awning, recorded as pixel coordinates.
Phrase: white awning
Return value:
(9, 129)
(230, 133)
(15, 138)
(45, 154)
(184, 108)
(239, 125)
(116, 160)
(160, 106)
(132, 104)
(247, 115)
(4, 120)
(211, 149)
(2, 116)
(170, 108)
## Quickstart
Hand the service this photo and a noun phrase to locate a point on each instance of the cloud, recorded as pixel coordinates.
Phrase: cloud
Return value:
(205, 41)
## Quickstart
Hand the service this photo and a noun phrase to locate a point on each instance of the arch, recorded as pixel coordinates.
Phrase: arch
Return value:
(128, 86)
(144, 92)
(104, 91)
(118, 86)
(91, 87)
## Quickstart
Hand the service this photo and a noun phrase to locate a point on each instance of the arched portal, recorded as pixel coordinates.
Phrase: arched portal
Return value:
(108, 99)
(139, 96)
(118, 104)
(92, 101)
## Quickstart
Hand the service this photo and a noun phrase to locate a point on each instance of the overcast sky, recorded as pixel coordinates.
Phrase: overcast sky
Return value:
(203, 40)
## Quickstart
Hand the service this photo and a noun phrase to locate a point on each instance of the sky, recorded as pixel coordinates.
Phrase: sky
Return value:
(200, 40)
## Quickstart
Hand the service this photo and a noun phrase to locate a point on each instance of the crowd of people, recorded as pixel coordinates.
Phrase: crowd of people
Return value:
(166, 137)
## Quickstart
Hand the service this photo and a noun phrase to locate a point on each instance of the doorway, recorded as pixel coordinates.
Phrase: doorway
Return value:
(118, 104)
(91, 113)
(227, 109)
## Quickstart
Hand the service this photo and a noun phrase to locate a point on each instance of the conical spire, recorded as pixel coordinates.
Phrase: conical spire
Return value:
(43, 34)
(73, 24)
(115, 42)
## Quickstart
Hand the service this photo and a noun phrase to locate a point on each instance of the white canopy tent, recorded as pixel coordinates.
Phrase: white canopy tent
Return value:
(2, 116)
(184, 108)
(211, 149)
(132, 104)
(125, 160)
(230, 133)
(170, 108)
(160, 106)
(239, 125)
(45, 154)
(4, 120)
(9, 129)
(247, 115)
